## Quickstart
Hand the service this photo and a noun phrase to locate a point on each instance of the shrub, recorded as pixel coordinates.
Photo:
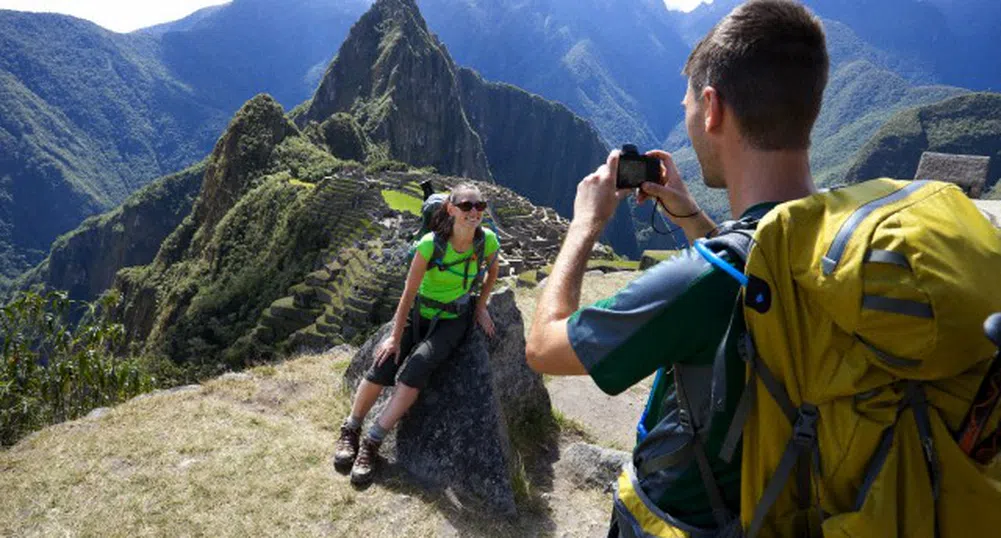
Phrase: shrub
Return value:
(52, 371)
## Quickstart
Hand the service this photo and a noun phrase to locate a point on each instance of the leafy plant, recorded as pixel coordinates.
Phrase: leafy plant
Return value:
(53, 371)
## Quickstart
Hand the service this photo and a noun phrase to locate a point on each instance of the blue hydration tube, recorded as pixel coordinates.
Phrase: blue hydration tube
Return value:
(720, 263)
(641, 431)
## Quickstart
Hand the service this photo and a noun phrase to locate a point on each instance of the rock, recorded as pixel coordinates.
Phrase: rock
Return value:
(455, 436)
(592, 466)
(342, 349)
(97, 413)
(521, 391)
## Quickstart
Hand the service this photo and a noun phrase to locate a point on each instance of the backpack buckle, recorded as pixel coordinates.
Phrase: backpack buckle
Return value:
(804, 430)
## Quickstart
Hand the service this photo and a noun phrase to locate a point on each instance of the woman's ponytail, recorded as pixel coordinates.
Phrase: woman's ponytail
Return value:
(441, 222)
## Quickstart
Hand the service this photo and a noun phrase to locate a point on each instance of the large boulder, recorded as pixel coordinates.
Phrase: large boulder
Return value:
(456, 434)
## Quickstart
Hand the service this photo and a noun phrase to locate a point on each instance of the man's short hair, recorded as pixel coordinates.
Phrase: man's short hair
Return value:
(768, 61)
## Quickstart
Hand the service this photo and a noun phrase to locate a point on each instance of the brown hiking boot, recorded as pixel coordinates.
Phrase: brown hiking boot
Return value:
(347, 447)
(361, 473)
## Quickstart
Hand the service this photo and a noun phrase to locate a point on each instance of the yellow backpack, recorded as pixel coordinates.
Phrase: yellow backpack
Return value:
(864, 307)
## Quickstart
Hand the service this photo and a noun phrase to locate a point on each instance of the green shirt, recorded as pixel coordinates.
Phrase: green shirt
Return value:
(447, 285)
(677, 312)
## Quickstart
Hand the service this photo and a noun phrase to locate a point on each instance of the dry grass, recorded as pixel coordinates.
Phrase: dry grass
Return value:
(245, 454)
(241, 455)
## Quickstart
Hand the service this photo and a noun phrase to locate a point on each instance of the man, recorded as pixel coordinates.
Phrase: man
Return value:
(755, 85)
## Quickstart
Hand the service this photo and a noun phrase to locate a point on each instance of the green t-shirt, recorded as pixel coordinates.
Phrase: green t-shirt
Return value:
(675, 313)
(446, 286)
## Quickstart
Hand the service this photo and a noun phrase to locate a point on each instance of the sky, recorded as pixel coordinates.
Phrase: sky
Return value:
(129, 15)
(116, 15)
(685, 5)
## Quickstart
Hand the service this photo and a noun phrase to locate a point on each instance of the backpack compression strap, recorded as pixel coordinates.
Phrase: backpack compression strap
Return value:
(802, 451)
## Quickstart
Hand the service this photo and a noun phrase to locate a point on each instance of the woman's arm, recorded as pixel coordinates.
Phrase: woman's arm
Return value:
(488, 283)
(480, 314)
(414, 277)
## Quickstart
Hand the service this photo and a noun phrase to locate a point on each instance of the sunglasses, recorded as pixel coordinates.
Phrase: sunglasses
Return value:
(468, 206)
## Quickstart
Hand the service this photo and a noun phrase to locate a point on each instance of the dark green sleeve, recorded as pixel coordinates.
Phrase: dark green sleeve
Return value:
(676, 312)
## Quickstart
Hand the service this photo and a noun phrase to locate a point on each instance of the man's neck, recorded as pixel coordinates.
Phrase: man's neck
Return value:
(754, 176)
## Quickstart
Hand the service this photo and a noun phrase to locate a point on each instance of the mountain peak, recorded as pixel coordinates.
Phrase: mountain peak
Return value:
(397, 80)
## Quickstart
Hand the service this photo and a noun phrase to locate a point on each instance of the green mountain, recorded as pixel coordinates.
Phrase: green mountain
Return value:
(232, 52)
(413, 104)
(84, 261)
(278, 240)
(968, 124)
(86, 118)
(608, 61)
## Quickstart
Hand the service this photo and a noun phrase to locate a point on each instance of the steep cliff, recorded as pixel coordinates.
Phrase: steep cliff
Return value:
(84, 261)
(539, 148)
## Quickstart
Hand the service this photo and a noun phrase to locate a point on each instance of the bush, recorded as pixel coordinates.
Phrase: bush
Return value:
(53, 372)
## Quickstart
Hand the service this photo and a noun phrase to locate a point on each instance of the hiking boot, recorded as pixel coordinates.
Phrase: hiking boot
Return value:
(347, 447)
(361, 473)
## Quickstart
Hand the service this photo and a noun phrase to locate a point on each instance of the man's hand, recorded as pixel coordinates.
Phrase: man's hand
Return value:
(671, 190)
(597, 196)
(390, 347)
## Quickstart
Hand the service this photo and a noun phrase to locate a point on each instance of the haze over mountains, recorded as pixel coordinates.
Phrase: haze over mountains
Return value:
(88, 116)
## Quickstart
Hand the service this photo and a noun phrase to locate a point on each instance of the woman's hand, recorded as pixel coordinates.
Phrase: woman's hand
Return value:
(389, 347)
(487, 324)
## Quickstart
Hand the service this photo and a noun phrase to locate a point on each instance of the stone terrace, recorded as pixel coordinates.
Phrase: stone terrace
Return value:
(361, 278)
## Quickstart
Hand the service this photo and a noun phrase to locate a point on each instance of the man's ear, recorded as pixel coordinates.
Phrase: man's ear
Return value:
(712, 109)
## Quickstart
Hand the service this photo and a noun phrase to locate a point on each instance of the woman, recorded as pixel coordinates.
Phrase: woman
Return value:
(443, 314)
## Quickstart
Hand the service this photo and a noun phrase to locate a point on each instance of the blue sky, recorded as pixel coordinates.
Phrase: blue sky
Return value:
(128, 15)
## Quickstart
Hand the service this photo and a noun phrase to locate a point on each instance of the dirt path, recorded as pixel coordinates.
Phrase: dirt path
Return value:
(612, 420)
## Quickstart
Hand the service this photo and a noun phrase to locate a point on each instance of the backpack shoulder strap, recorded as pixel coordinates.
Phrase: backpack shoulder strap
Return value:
(438, 254)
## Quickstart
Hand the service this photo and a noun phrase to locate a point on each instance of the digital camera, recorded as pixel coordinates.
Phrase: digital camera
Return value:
(634, 168)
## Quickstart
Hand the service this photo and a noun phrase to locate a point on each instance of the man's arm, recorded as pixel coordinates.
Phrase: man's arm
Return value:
(547, 347)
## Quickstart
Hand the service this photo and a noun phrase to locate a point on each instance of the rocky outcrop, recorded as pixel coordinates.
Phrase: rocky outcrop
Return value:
(242, 153)
(456, 434)
(593, 466)
(399, 82)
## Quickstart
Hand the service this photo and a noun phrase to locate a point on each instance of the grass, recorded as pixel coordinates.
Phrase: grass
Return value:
(254, 447)
(249, 454)
(572, 427)
(399, 201)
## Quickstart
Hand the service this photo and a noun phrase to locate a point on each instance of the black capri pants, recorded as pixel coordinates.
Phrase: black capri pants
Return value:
(423, 358)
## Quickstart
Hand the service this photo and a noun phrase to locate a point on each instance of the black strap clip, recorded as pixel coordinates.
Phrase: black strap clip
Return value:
(804, 430)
